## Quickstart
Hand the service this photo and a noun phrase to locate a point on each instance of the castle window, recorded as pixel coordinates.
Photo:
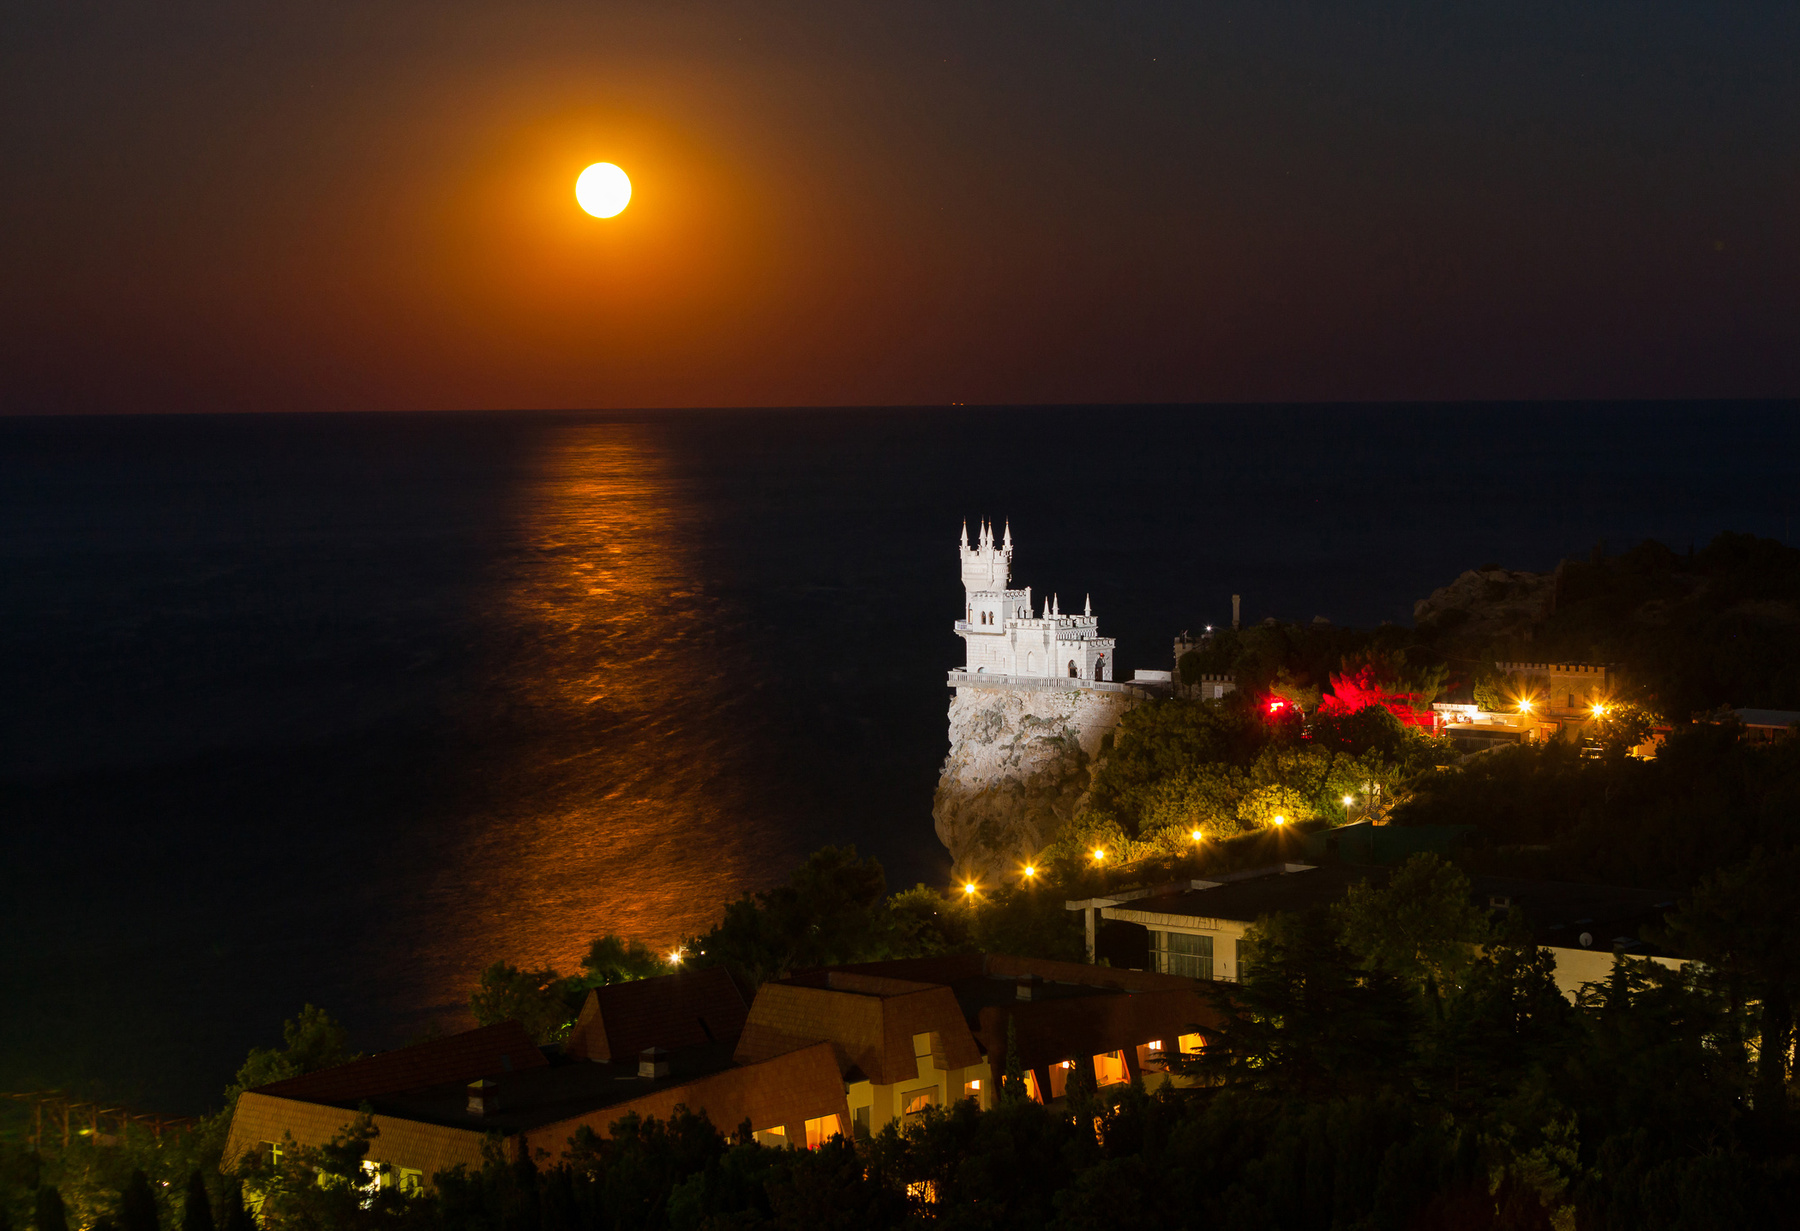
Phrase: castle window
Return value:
(1072, 672)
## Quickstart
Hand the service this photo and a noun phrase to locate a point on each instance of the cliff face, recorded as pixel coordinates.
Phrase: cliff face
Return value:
(1019, 762)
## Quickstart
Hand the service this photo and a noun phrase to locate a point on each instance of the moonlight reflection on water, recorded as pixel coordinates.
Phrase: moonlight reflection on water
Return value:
(627, 817)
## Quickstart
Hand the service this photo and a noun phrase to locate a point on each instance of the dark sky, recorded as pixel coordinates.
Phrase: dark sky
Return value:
(369, 205)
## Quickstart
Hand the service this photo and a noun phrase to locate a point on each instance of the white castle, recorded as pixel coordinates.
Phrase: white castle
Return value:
(1003, 637)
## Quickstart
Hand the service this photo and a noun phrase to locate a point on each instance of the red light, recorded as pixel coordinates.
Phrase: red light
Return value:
(1275, 707)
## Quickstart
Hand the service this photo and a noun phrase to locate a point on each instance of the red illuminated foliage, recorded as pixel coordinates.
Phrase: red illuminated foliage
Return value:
(1368, 685)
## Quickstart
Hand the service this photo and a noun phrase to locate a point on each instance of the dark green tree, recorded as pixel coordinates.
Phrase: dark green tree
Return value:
(310, 1042)
(1423, 925)
(48, 1213)
(1307, 1021)
(615, 959)
(541, 1001)
(196, 1211)
(138, 1210)
(1745, 920)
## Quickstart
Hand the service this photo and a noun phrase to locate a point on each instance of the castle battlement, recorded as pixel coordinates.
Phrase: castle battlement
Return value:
(1004, 635)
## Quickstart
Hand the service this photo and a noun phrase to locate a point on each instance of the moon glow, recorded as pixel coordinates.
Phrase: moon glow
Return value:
(603, 190)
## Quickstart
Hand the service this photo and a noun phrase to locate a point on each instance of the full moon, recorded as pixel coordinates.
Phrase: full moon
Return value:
(603, 190)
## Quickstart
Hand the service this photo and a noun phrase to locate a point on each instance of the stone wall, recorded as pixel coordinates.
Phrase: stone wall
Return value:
(1019, 762)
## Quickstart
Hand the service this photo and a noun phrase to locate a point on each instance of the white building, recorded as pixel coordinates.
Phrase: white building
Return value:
(1002, 634)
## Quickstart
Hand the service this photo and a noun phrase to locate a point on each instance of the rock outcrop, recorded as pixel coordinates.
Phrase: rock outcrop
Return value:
(1483, 605)
(1019, 761)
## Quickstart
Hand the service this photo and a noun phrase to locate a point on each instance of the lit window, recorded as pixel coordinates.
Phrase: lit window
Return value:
(915, 1101)
(972, 1089)
(1031, 1087)
(1110, 1070)
(1181, 953)
(272, 1152)
(412, 1183)
(1192, 1044)
(922, 1190)
(821, 1130)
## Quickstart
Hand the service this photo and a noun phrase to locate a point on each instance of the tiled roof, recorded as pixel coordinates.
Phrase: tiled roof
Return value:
(426, 1148)
(870, 1021)
(688, 1009)
(461, 1057)
(783, 1091)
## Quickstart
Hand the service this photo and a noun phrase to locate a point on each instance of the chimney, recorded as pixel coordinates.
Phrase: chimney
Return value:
(1030, 987)
(484, 1097)
(1236, 600)
(653, 1062)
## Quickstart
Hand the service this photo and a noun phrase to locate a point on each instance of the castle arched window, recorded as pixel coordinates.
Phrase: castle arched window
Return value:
(1072, 672)
(1100, 667)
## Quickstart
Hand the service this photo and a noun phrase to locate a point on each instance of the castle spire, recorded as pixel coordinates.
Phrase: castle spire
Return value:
(965, 534)
(1088, 607)
(1008, 543)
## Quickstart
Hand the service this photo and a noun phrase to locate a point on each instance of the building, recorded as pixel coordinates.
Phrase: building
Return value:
(1553, 698)
(806, 1059)
(1766, 726)
(1196, 928)
(925, 1032)
(435, 1104)
(1003, 635)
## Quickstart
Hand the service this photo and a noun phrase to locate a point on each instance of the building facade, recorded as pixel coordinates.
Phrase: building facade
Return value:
(1003, 634)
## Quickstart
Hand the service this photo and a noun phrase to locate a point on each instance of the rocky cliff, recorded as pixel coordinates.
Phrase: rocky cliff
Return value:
(1019, 762)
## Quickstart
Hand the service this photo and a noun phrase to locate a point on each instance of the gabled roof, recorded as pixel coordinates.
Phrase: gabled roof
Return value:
(870, 1022)
(692, 1008)
(490, 1050)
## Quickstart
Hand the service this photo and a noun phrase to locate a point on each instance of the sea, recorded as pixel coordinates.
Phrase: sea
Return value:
(339, 709)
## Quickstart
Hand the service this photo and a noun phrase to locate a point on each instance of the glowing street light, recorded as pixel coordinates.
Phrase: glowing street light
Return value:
(1030, 871)
(1525, 704)
(969, 888)
(675, 958)
(1099, 856)
(1197, 835)
(1348, 800)
(1599, 710)
(1281, 820)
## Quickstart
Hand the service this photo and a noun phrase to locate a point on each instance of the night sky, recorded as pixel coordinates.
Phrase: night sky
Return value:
(369, 206)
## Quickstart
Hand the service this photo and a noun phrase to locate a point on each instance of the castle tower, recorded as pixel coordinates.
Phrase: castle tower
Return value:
(1005, 638)
(987, 565)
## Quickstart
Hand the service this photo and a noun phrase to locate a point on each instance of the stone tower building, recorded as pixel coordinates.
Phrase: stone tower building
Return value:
(1034, 698)
(1001, 633)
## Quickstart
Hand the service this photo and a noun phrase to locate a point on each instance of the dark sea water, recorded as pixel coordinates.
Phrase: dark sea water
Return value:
(339, 709)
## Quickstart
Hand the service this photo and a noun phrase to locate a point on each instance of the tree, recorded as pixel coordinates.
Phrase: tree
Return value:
(1745, 920)
(196, 1211)
(615, 959)
(924, 924)
(137, 1205)
(537, 999)
(1305, 1020)
(48, 1213)
(1422, 926)
(311, 1041)
(831, 911)
(1013, 1088)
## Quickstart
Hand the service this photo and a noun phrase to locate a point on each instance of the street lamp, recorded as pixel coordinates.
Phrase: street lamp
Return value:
(1348, 800)
(1099, 855)
(1197, 835)
(1281, 820)
(1030, 871)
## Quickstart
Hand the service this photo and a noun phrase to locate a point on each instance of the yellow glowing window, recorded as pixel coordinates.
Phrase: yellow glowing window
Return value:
(272, 1150)
(915, 1101)
(922, 1190)
(411, 1182)
(1192, 1044)
(972, 1089)
(819, 1131)
(1031, 1087)
(1110, 1070)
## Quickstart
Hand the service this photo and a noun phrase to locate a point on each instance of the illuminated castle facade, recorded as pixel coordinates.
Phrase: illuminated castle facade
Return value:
(1003, 636)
